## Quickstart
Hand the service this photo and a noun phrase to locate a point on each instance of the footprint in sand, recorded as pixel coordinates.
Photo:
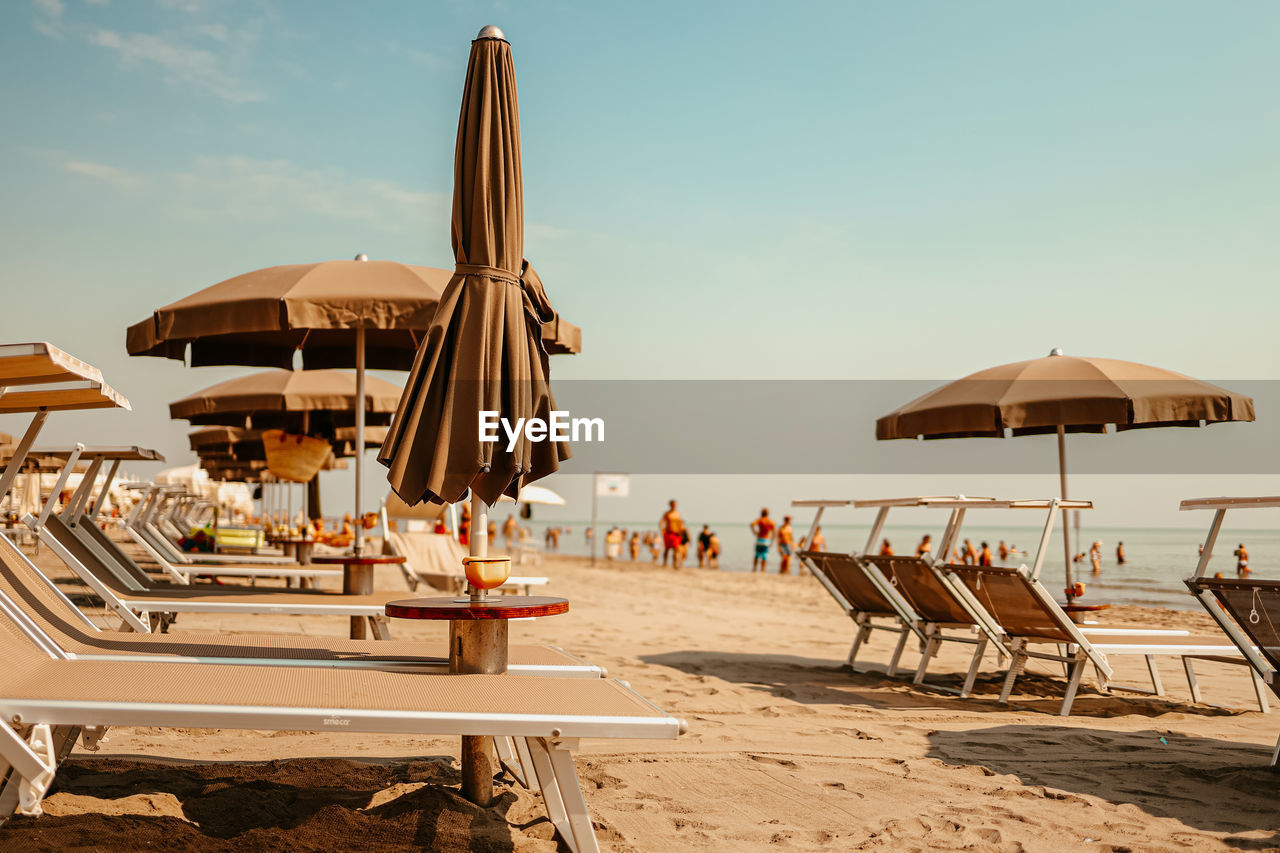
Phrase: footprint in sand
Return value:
(768, 759)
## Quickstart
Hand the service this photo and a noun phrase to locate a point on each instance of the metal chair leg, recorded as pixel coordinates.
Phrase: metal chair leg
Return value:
(1016, 663)
(974, 666)
(1073, 684)
(584, 834)
(897, 652)
(542, 768)
(1157, 686)
(1193, 685)
(930, 649)
(1260, 691)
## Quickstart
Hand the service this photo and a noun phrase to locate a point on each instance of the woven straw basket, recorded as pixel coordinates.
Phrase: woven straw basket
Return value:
(294, 457)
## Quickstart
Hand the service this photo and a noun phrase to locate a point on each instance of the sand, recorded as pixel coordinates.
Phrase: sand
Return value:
(786, 750)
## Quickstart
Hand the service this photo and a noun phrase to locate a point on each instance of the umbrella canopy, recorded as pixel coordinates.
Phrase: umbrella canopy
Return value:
(484, 350)
(261, 318)
(1062, 394)
(274, 399)
(231, 443)
(1078, 394)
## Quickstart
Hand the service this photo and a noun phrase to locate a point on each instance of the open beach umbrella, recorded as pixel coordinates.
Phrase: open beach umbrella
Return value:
(288, 399)
(485, 349)
(1063, 394)
(357, 313)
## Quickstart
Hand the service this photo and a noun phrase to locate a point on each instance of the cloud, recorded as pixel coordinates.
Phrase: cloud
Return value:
(250, 190)
(48, 18)
(189, 66)
(119, 178)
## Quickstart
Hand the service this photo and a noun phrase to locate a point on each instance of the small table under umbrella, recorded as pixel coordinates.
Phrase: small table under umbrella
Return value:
(1062, 394)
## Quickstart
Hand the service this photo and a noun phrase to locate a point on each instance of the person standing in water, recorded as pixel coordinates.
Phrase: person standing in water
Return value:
(786, 542)
(1119, 553)
(713, 551)
(1004, 551)
(763, 528)
(671, 527)
(1242, 560)
(984, 555)
(819, 542)
(925, 546)
(634, 545)
(1095, 557)
(886, 548)
(704, 542)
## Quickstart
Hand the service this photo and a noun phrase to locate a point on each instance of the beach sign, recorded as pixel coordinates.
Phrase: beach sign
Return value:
(613, 485)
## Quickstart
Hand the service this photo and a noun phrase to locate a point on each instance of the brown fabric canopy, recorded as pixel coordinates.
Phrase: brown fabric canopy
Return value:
(484, 350)
(235, 443)
(260, 318)
(258, 396)
(1080, 394)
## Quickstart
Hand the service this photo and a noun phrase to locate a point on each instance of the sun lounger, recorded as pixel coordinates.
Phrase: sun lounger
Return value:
(1036, 627)
(867, 605)
(46, 703)
(436, 560)
(1247, 609)
(57, 624)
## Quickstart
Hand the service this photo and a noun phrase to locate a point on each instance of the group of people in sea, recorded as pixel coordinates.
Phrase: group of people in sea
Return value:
(670, 542)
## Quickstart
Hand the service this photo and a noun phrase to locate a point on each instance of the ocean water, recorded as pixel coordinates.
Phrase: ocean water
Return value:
(1157, 559)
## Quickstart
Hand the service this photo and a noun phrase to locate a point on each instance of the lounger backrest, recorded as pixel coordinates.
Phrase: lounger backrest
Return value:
(1255, 606)
(86, 530)
(851, 581)
(920, 586)
(32, 593)
(58, 529)
(1012, 600)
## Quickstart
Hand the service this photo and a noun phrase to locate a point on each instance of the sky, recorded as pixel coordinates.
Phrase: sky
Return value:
(713, 190)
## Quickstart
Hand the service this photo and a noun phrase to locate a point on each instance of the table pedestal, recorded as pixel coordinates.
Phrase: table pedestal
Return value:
(478, 647)
(357, 580)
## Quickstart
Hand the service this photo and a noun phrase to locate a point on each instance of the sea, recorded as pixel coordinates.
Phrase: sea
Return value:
(1157, 559)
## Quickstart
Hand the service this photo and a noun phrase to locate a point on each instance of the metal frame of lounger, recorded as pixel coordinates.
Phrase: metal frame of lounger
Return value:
(46, 703)
(1075, 648)
(52, 621)
(862, 599)
(1212, 593)
(123, 566)
(177, 564)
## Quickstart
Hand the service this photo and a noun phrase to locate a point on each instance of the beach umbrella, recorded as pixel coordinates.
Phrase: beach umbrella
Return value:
(358, 313)
(484, 350)
(1063, 394)
(536, 495)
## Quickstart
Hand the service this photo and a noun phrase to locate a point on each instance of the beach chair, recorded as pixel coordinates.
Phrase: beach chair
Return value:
(76, 522)
(870, 607)
(1246, 609)
(1036, 627)
(53, 621)
(48, 702)
(435, 559)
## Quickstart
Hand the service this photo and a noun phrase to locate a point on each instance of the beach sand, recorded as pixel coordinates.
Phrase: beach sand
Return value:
(786, 750)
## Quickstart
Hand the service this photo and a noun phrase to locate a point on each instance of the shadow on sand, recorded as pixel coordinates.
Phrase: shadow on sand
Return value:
(302, 804)
(818, 681)
(1206, 783)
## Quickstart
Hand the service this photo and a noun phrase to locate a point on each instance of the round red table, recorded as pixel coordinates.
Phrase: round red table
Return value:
(478, 645)
(357, 578)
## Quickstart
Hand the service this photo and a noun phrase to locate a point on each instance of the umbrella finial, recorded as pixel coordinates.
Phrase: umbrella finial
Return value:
(1056, 351)
(362, 257)
(491, 32)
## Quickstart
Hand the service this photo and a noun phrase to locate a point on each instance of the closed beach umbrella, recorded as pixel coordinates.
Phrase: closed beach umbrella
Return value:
(484, 350)
(1062, 394)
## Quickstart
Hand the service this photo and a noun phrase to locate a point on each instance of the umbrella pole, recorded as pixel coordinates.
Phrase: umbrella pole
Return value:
(478, 646)
(1066, 513)
(359, 543)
